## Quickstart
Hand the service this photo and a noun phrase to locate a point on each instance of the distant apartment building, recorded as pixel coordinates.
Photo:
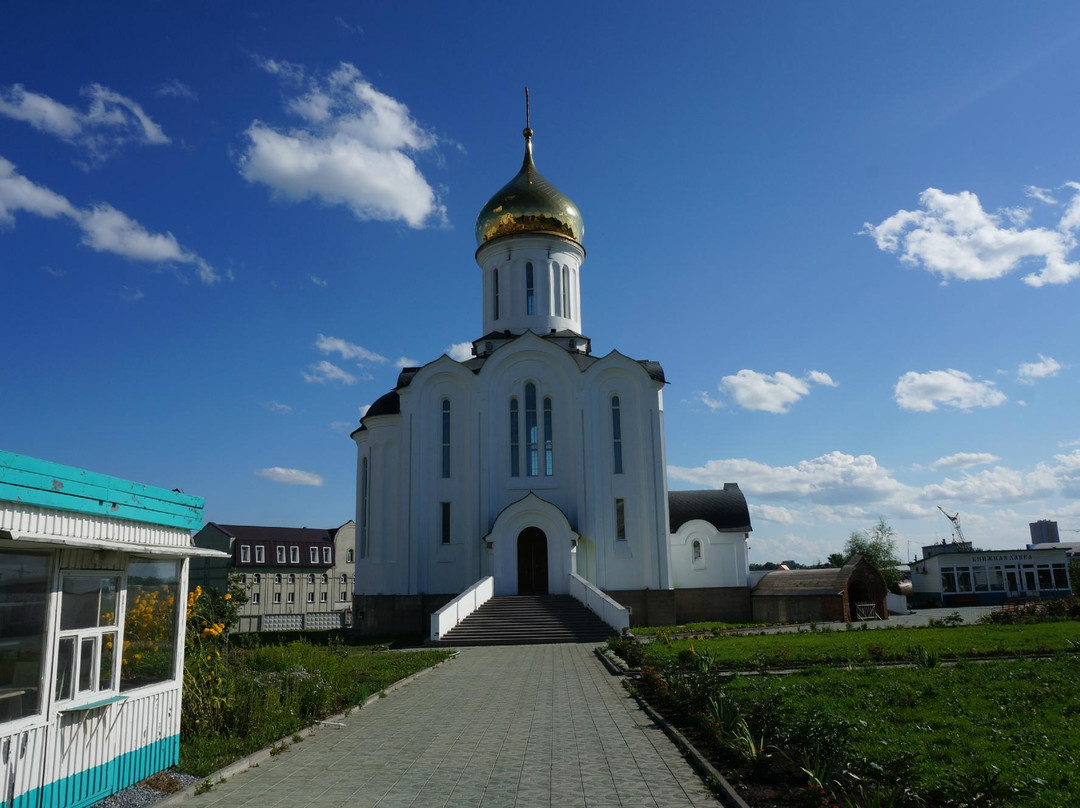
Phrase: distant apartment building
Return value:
(295, 577)
(1045, 531)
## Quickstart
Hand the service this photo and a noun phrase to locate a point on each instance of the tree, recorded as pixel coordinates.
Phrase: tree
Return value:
(877, 545)
(837, 560)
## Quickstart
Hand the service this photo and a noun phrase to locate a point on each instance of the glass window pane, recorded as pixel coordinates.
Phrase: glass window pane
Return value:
(87, 654)
(980, 579)
(997, 579)
(65, 669)
(948, 580)
(105, 675)
(1046, 580)
(963, 579)
(1061, 581)
(24, 602)
(88, 602)
(150, 623)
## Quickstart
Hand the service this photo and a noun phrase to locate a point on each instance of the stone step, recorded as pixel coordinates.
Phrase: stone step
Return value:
(529, 620)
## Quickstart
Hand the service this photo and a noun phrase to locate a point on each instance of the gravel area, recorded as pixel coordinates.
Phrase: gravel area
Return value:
(141, 794)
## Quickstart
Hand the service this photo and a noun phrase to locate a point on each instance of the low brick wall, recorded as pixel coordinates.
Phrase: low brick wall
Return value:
(669, 607)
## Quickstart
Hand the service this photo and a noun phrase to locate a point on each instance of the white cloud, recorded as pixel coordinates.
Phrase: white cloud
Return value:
(1044, 195)
(952, 235)
(352, 29)
(104, 228)
(964, 460)
(290, 476)
(177, 89)
(363, 409)
(1043, 369)
(406, 362)
(18, 193)
(131, 294)
(923, 392)
(354, 148)
(775, 513)
(832, 479)
(775, 393)
(997, 485)
(281, 68)
(323, 372)
(347, 350)
(275, 406)
(110, 121)
(315, 279)
(710, 402)
(342, 426)
(55, 272)
(459, 351)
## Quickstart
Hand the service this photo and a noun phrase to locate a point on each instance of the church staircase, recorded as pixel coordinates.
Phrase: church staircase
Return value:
(529, 620)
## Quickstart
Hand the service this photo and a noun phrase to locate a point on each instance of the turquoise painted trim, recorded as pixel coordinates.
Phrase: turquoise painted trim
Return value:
(96, 783)
(52, 485)
(74, 488)
(93, 705)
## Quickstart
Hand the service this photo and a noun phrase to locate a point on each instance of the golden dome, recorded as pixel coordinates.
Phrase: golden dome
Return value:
(529, 204)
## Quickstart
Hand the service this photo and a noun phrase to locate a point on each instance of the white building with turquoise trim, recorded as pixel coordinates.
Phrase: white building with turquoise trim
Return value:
(89, 565)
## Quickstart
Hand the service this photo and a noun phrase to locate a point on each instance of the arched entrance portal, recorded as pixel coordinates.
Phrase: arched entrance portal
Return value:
(532, 562)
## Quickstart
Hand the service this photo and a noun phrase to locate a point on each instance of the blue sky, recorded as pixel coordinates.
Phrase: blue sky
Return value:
(848, 231)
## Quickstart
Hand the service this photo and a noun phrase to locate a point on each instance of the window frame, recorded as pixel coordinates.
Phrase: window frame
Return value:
(294, 554)
(327, 555)
(444, 444)
(279, 553)
(260, 554)
(515, 438)
(245, 553)
(96, 635)
(530, 289)
(549, 448)
(616, 434)
(532, 430)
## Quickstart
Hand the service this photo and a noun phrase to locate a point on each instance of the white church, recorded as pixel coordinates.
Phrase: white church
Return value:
(535, 464)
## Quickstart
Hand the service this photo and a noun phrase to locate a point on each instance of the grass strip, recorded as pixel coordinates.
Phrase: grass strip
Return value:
(271, 691)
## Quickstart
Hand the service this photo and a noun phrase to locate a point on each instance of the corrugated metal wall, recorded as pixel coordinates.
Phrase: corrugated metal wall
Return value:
(29, 519)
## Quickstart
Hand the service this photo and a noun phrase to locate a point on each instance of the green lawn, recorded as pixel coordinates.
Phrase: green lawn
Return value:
(269, 692)
(1000, 733)
(751, 651)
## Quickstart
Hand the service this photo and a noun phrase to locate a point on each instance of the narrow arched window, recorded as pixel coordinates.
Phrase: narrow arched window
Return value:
(496, 296)
(696, 550)
(548, 459)
(616, 432)
(532, 465)
(515, 441)
(530, 290)
(446, 438)
(363, 508)
(566, 291)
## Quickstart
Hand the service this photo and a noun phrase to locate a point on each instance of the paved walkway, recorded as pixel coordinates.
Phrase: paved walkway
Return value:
(521, 726)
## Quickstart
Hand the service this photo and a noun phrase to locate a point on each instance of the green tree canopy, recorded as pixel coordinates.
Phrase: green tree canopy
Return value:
(877, 545)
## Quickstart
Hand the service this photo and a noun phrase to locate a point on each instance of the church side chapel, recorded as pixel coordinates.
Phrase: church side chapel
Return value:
(535, 461)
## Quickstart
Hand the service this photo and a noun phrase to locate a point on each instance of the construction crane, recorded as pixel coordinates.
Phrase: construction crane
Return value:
(958, 534)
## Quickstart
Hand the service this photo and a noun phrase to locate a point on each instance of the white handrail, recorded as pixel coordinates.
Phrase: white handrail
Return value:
(612, 613)
(461, 607)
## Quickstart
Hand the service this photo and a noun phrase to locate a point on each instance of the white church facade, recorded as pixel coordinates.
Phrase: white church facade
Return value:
(535, 459)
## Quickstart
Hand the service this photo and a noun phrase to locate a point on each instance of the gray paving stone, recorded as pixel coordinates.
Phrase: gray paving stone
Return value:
(517, 727)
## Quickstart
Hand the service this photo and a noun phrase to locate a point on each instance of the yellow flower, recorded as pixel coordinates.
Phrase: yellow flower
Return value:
(138, 656)
(228, 596)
